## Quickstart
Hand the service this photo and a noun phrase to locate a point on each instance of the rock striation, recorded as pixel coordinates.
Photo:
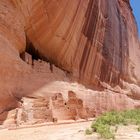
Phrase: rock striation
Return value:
(46, 46)
(92, 39)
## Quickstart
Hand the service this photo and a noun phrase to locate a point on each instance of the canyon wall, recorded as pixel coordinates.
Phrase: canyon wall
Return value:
(94, 39)
(93, 42)
(78, 34)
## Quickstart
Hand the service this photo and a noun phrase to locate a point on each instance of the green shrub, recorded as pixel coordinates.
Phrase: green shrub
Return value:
(103, 123)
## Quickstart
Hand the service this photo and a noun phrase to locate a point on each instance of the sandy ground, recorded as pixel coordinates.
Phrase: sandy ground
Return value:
(74, 131)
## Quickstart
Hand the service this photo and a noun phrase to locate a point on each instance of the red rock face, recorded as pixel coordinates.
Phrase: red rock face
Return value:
(94, 41)
(90, 39)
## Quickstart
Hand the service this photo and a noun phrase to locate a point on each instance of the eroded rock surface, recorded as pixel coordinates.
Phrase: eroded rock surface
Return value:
(92, 42)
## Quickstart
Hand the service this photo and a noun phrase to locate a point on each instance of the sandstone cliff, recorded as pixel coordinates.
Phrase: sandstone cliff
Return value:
(93, 42)
(94, 39)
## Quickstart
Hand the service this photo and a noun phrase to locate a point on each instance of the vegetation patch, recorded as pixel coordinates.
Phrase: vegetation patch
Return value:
(103, 124)
(88, 131)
